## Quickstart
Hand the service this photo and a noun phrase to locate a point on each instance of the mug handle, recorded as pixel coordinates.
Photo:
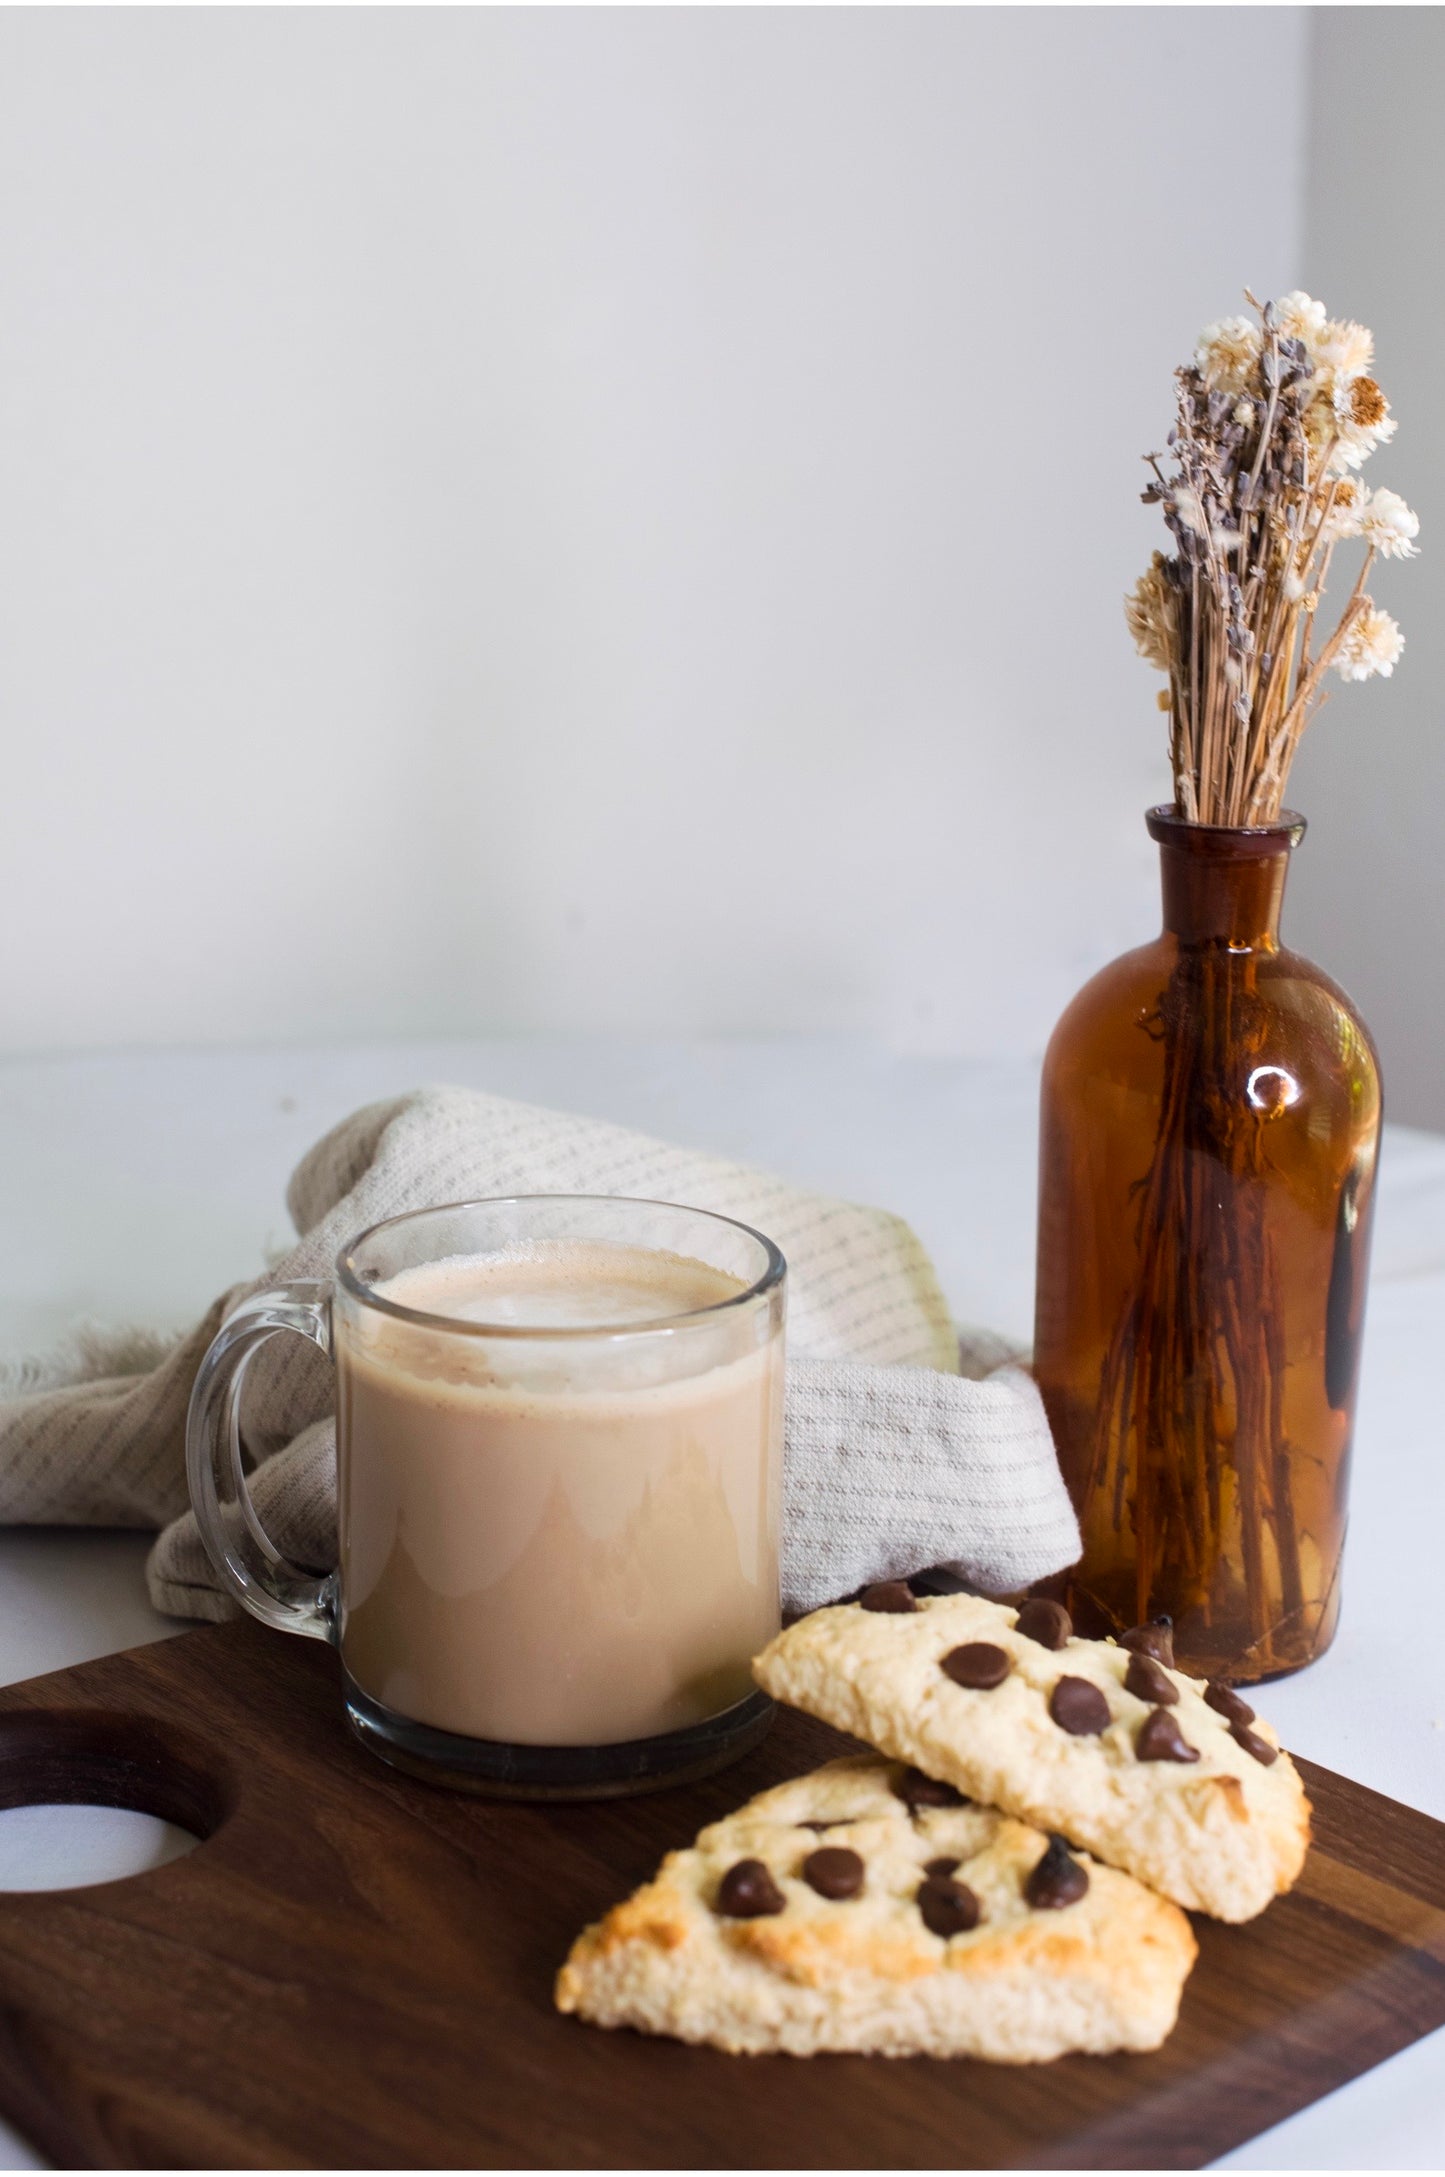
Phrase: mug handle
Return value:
(252, 1569)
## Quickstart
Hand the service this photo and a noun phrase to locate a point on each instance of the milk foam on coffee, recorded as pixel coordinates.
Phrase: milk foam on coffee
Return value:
(551, 1540)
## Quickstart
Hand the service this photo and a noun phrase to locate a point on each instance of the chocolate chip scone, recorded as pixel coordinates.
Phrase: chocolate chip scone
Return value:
(1157, 1773)
(867, 1907)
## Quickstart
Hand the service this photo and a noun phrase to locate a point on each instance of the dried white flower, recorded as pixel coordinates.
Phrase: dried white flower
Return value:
(1347, 418)
(1388, 524)
(1227, 354)
(1372, 645)
(1347, 498)
(1300, 317)
(1362, 419)
(1244, 412)
(1345, 348)
(1148, 611)
(1380, 517)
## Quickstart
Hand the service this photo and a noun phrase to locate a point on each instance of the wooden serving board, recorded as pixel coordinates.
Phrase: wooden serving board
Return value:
(357, 1969)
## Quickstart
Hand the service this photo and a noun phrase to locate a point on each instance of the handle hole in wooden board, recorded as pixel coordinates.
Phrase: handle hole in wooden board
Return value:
(88, 1797)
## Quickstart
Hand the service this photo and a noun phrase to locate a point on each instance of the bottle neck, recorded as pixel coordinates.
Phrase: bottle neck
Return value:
(1221, 885)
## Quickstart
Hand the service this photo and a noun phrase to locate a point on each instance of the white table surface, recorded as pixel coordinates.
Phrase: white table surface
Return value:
(134, 1187)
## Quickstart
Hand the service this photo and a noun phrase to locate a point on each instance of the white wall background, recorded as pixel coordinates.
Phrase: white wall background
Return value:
(1368, 887)
(599, 520)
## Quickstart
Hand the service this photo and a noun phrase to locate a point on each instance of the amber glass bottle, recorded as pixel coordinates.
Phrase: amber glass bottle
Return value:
(1211, 1113)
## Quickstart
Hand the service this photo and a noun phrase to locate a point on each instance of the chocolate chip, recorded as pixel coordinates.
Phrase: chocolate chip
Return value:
(1149, 1681)
(748, 1892)
(943, 1865)
(917, 1790)
(1057, 1880)
(948, 1907)
(977, 1664)
(1078, 1706)
(833, 1871)
(1253, 1743)
(1156, 1639)
(1160, 1739)
(1046, 1622)
(1226, 1702)
(893, 1596)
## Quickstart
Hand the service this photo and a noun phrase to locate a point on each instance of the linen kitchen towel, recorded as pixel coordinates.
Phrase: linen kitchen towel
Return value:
(905, 1446)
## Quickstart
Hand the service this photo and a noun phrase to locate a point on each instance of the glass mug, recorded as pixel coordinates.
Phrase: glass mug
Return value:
(559, 1431)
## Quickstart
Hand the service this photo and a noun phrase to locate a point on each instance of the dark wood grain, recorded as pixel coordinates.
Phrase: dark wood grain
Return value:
(357, 1969)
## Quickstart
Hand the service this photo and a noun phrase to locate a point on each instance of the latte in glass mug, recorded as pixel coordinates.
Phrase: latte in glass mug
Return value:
(559, 1454)
(579, 1548)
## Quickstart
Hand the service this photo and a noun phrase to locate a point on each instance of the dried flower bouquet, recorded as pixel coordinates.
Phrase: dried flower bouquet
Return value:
(1275, 416)
(1211, 1102)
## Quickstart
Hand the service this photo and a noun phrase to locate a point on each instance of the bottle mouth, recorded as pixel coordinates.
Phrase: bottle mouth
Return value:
(1240, 841)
